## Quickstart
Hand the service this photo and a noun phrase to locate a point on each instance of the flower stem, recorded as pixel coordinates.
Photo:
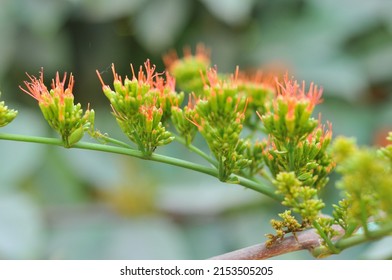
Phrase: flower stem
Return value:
(362, 238)
(103, 138)
(261, 188)
(364, 217)
(324, 236)
(195, 149)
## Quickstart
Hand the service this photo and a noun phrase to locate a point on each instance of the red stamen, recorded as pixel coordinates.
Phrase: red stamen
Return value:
(100, 78)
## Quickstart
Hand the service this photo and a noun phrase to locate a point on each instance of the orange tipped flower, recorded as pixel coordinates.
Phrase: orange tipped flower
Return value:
(201, 55)
(219, 118)
(259, 90)
(290, 114)
(142, 105)
(292, 93)
(297, 142)
(57, 106)
(188, 69)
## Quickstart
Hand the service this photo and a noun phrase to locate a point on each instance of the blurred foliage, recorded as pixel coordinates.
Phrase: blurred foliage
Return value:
(78, 204)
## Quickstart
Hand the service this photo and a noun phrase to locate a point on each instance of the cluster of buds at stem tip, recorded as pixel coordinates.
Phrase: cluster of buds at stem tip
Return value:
(259, 90)
(6, 115)
(142, 106)
(297, 142)
(189, 70)
(180, 118)
(219, 118)
(296, 151)
(366, 181)
(58, 108)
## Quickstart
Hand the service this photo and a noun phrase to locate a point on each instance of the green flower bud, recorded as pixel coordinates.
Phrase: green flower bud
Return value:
(190, 69)
(142, 106)
(6, 115)
(58, 108)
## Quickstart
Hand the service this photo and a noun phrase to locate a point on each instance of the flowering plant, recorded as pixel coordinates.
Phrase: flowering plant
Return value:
(57, 106)
(261, 133)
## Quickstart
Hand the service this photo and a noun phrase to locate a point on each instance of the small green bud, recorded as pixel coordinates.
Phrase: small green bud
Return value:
(188, 70)
(6, 115)
(75, 137)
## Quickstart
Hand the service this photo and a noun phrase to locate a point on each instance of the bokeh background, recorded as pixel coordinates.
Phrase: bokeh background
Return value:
(70, 204)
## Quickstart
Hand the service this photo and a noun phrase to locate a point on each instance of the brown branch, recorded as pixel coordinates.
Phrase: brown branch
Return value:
(306, 240)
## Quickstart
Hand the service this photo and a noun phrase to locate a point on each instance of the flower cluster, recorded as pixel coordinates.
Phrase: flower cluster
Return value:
(221, 105)
(229, 111)
(296, 150)
(260, 91)
(219, 118)
(58, 108)
(142, 105)
(180, 118)
(288, 224)
(366, 182)
(6, 115)
(289, 115)
(189, 70)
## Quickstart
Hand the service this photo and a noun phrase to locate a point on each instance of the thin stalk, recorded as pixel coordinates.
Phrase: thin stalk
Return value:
(195, 149)
(291, 156)
(362, 238)
(364, 217)
(266, 176)
(250, 184)
(106, 139)
(264, 189)
(327, 240)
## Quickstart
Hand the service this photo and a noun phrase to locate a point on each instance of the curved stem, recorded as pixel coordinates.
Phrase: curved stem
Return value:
(268, 191)
(304, 240)
(364, 217)
(264, 189)
(327, 240)
(362, 238)
(103, 138)
(195, 149)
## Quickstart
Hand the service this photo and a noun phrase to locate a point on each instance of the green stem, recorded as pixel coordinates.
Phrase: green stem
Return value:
(196, 150)
(362, 238)
(327, 240)
(256, 186)
(364, 217)
(106, 139)
(264, 189)
(290, 151)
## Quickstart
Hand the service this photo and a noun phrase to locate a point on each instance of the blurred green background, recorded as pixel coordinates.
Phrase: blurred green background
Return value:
(71, 204)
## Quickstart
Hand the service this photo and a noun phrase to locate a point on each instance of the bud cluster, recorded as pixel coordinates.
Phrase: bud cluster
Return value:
(180, 118)
(290, 114)
(58, 108)
(189, 70)
(366, 182)
(142, 106)
(301, 198)
(254, 153)
(288, 224)
(6, 115)
(293, 155)
(259, 91)
(296, 150)
(219, 118)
